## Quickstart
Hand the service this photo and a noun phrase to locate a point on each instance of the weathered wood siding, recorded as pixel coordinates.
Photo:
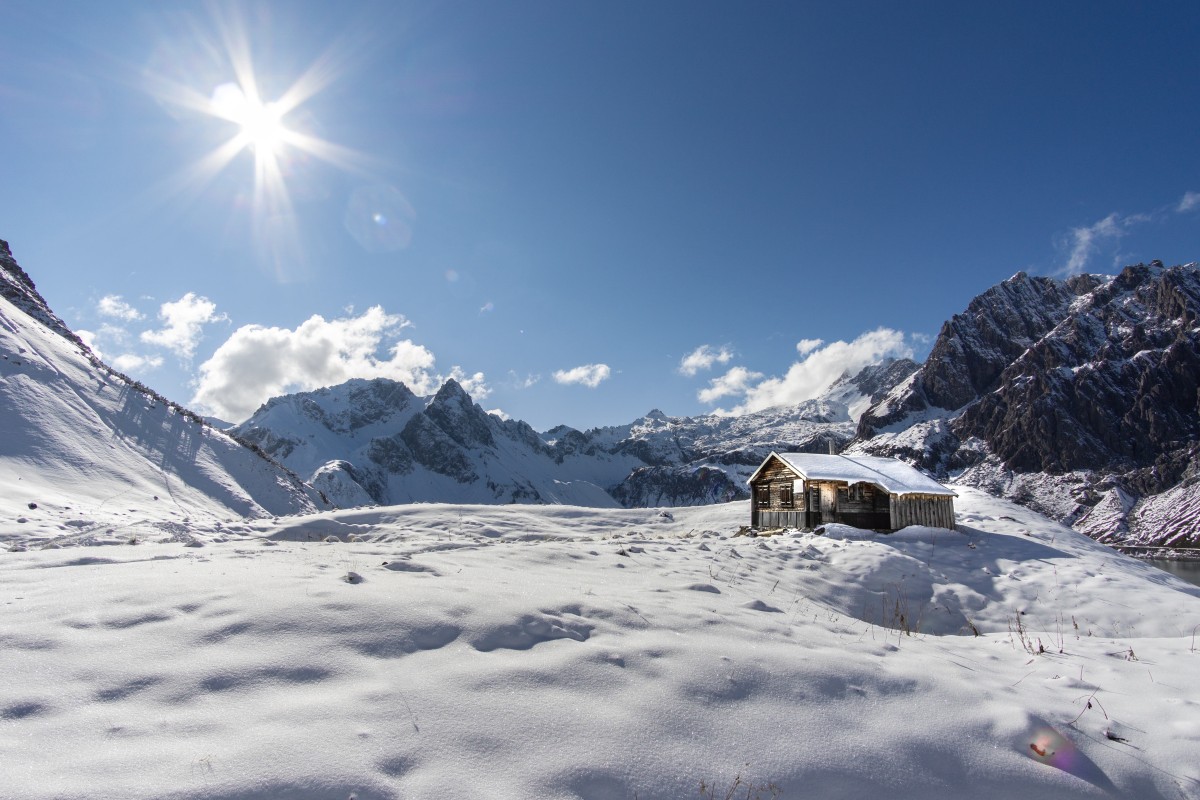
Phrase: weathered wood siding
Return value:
(782, 519)
(936, 511)
(773, 514)
(871, 507)
(863, 505)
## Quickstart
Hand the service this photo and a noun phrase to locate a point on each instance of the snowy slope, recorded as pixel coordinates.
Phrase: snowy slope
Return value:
(582, 654)
(86, 453)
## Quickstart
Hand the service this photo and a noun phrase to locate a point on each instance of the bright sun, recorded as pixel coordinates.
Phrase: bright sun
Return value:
(261, 128)
(260, 124)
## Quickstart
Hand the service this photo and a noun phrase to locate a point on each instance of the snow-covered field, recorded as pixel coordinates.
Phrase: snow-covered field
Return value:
(437, 651)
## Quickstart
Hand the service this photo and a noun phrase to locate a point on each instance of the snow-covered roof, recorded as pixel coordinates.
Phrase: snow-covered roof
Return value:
(890, 474)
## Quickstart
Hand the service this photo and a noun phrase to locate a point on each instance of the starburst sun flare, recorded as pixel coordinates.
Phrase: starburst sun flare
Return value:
(261, 127)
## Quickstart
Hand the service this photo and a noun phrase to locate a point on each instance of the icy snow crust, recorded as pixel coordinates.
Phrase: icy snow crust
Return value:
(562, 652)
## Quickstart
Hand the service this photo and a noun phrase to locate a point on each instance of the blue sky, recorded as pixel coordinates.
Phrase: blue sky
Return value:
(583, 210)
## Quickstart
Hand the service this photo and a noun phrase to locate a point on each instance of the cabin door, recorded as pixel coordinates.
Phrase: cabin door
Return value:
(814, 507)
(828, 502)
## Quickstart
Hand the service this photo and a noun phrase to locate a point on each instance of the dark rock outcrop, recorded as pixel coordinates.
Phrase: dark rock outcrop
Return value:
(1092, 383)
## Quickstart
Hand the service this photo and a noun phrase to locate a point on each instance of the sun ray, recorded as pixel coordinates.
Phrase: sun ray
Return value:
(261, 127)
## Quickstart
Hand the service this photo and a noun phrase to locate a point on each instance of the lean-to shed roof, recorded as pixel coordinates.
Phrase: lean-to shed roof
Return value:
(890, 474)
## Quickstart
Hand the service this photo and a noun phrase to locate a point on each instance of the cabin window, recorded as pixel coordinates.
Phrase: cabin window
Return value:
(785, 495)
(861, 493)
(764, 494)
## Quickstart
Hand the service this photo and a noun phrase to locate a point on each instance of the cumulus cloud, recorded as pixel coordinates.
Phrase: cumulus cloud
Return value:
(473, 384)
(735, 381)
(257, 363)
(131, 362)
(499, 413)
(112, 305)
(806, 346)
(89, 338)
(819, 367)
(183, 321)
(1189, 201)
(704, 357)
(589, 375)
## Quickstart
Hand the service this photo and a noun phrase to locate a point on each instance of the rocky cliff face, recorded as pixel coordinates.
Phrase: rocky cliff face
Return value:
(1089, 410)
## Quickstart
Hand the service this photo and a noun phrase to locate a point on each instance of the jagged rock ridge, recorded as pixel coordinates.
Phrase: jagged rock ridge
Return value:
(1089, 410)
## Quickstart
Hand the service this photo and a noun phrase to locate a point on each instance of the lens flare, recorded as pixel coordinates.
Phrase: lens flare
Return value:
(380, 218)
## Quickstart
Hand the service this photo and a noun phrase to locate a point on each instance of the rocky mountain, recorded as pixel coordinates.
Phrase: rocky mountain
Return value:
(1079, 398)
(79, 436)
(376, 442)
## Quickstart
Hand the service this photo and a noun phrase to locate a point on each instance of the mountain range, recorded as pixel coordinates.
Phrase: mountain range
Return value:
(375, 442)
(1078, 398)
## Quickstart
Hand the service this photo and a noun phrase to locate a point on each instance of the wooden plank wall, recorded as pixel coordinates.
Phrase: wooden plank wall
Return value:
(781, 519)
(776, 474)
(936, 511)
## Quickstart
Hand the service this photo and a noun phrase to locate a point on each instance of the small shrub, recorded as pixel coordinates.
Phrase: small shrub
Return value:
(740, 789)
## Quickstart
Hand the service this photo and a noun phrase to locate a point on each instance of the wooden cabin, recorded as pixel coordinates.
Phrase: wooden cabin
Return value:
(804, 490)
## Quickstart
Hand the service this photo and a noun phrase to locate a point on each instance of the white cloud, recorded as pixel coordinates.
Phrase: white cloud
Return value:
(703, 357)
(735, 381)
(473, 384)
(499, 413)
(815, 372)
(1084, 242)
(806, 346)
(529, 381)
(131, 362)
(113, 306)
(589, 375)
(114, 332)
(183, 320)
(1189, 201)
(257, 363)
(89, 339)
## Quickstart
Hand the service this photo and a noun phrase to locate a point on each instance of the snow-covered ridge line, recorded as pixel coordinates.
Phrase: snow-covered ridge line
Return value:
(84, 440)
(19, 288)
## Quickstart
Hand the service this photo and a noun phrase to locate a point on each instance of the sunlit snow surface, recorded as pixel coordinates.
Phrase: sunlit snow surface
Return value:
(558, 652)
